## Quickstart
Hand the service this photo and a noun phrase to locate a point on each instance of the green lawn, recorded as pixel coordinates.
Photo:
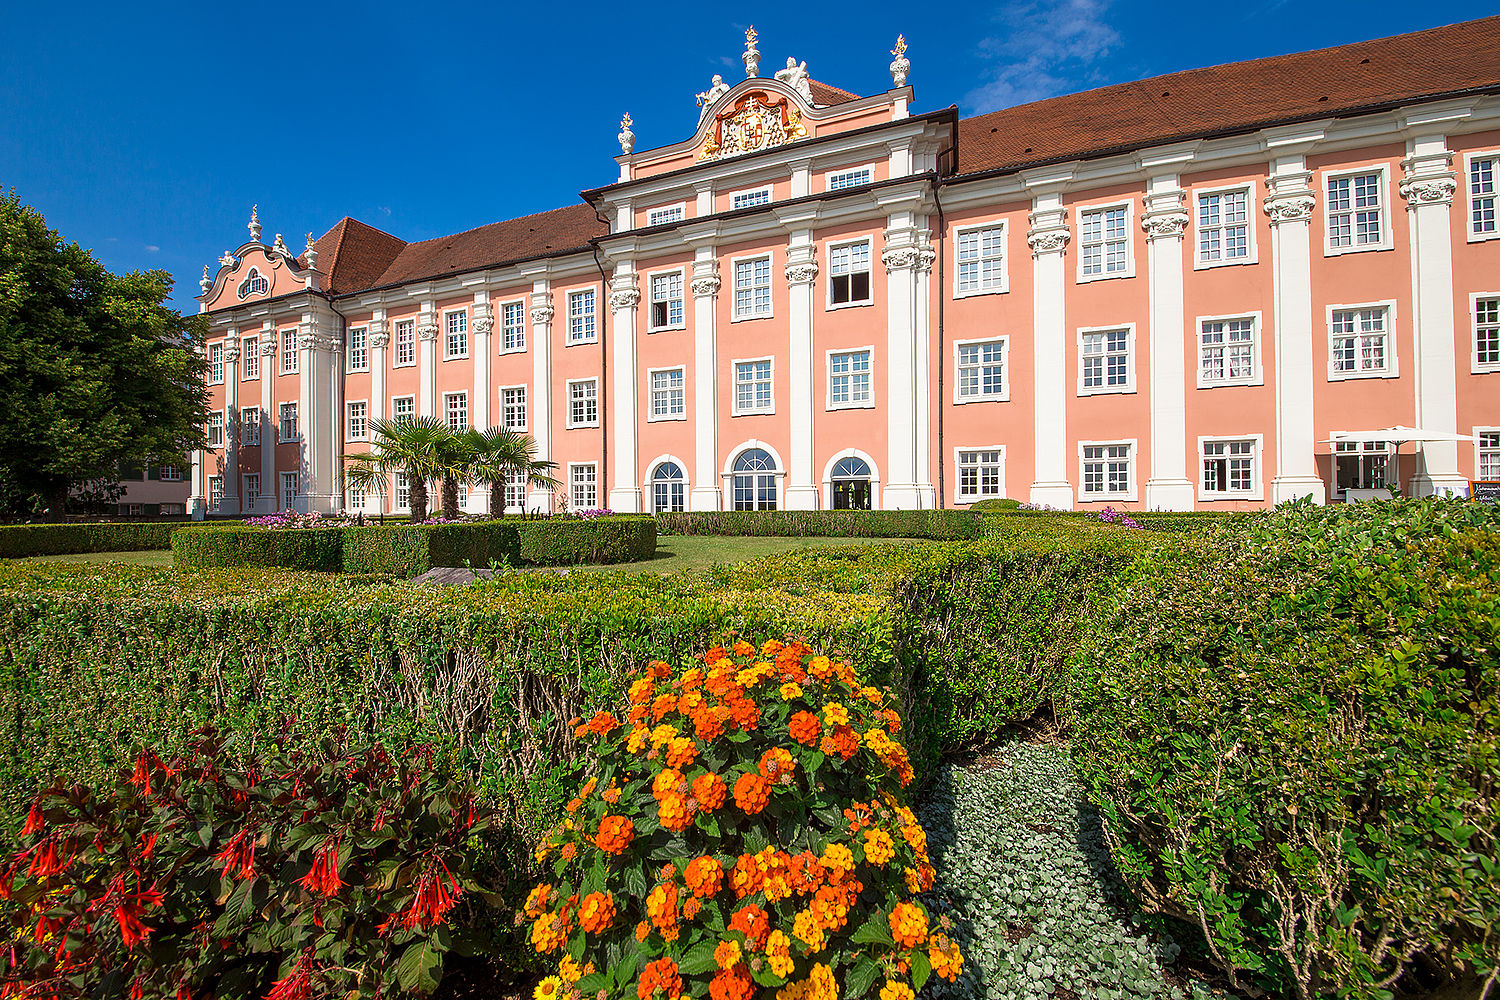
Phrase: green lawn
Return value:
(151, 557)
(689, 553)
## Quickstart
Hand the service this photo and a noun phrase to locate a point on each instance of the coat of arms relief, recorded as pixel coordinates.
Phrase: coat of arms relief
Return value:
(752, 125)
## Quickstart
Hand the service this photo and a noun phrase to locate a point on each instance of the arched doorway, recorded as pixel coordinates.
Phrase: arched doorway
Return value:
(754, 480)
(668, 489)
(851, 484)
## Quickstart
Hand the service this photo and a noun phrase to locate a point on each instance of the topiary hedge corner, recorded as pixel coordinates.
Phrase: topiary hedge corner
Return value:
(563, 541)
(941, 525)
(17, 541)
(407, 550)
(318, 550)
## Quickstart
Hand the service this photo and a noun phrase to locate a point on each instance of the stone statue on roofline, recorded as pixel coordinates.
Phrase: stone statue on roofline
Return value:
(795, 76)
(710, 97)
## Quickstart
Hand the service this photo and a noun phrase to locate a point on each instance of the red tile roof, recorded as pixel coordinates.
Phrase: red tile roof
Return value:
(1236, 97)
(352, 255)
(822, 93)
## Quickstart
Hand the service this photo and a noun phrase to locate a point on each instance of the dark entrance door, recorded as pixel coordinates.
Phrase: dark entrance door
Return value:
(851, 484)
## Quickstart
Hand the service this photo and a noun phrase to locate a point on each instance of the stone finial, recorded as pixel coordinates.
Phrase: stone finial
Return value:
(254, 224)
(205, 282)
(310, 254)
(901, 65)
(626, 136)
(752, 54)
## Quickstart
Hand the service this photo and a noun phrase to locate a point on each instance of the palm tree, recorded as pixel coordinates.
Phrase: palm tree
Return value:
(413, 447)
(500, 454)
(455, 456)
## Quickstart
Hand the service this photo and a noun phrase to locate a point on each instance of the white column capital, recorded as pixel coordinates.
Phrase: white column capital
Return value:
(1428, 176)
(801, 263)
(706, 280)
(624, 293)
(1164, 216)
(1289, 197)
(1049, 231)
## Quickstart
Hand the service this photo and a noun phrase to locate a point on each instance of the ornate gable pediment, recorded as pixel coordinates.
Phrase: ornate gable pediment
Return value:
(758, 119)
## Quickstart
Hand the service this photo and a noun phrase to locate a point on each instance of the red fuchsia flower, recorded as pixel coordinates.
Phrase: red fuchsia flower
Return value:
(35, 821)
(47, 860)
(297, 984)
(323, 879)
(148, 846)
(129, 907)
(238, 856)
(432, 899)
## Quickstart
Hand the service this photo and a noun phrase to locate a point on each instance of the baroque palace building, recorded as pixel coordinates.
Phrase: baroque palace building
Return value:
(1174, 293)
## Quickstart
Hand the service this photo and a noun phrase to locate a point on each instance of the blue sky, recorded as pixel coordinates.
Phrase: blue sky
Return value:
(145, 131)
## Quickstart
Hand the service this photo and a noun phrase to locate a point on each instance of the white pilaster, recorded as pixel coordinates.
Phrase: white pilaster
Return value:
(1048, 238)
(624, 299)
(1165, 220)
(801, 272)
(232, 421)
(1428, 187)
(309, 426)
(270, 364)
(706, 492)
(905, 256)
(478, 499)
(540, 403)
(1289, 203)
(922, 381)
(427, 334)
(380, 342)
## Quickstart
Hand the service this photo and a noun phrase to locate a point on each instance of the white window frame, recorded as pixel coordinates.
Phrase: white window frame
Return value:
(1467, 183)
(983, 397)
(1258, 377)
(360, 336)
(399, 485)
(216, 363)
(1130, 360)
(830, 176)
(829, 404)
(1386, 238)
(448, 315)
(215, 493)
(447, 418)
(735, 316)
(593, 315)
(1477, 367)
(568, 421)
(777, 473)
(1130, 494)
(1359, 451)
(963, 498)
(397, 416)
(288, 358)
(1079, 211)
(248, 496)
(411, 326)
(250, 429)
(832, 245)
(288, 503)
(756, 192)
(735, 409)
(364, 419)
(651, 300)
(574, 504)
(650, 484)
(651, 415)
(519, 348)
(216, 423)
(1477, 431)
(281, 438)
(678, 211)
(250, 359)
(525, 406)
(248, 287)
(1004, 284)
(1392, 356)
(1251, 249)
(169, 473)
(1257, 490)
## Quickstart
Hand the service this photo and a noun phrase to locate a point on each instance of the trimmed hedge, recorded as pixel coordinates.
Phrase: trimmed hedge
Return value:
(941, 525)
(316, 549)
(407, 550)
(20, 540)
(558, 541)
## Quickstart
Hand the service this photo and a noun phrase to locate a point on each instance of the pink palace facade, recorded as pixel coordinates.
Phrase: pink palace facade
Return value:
(1168, 294)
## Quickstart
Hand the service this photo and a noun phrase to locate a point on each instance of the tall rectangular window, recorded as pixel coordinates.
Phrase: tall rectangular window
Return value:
(1489, 454)
(849, 379)
(250, 426)
(1106, 470)
(455, 334)
(1355, 212)
(1104, 362)
(515, 492)
(1104, 241)
(1223, 226)
(1360, 343)
(216, 364)
(289, 350)
(252, 489)
(359, 349)
(513, 327)
(216, 429)
(752, 386)
(668, 394)
(583, 493)
(456, 410)
(849, 178)
(356, 497)
(980, 474)
(249, 359)
(513, 408)
(1482, 195)
(288, 490)
(581, 328)
(752, 288)
(1229, 467)
(1487, 334)
(358, 420)
(403, 492)
(406, 342)
(1226, 351)
(849, 273)
(1361, 465)
(981, 259)
(288, 421)
(981, 370)
(666, 301)
(403, 408)
(215, 492)
(583, 403)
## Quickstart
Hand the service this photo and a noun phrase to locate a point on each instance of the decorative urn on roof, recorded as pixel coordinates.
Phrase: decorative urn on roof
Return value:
(901, 65)
(626, 136)
(752, 54)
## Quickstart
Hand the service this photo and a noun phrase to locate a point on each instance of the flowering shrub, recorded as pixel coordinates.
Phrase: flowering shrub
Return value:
(1111, 516)
(288, 878)
(745, 835)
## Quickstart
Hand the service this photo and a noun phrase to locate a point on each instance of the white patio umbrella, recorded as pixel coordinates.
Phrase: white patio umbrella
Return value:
(1395, 435)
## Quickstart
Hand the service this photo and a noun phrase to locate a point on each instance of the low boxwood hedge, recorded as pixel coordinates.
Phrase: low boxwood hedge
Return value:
(316, 549)
(20, 540)
(567, 541)
(407, 550)
(942, 525)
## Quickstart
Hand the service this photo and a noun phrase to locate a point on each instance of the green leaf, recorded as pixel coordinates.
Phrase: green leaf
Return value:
(699, 959)
(876, 930)
(921, 968)
(419, 968)
(860, 978)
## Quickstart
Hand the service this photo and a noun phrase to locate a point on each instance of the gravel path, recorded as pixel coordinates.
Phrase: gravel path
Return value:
(1023, 869)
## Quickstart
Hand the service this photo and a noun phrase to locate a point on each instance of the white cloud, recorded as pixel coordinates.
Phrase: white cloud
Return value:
(1042, 50)
(151, 248)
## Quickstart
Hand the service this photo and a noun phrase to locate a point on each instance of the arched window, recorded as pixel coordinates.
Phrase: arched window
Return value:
(754, 481)
(667, 492)
(255, 283)
(851, 484)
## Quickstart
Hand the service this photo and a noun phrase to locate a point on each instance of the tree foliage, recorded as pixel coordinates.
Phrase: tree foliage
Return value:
(96, 372)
